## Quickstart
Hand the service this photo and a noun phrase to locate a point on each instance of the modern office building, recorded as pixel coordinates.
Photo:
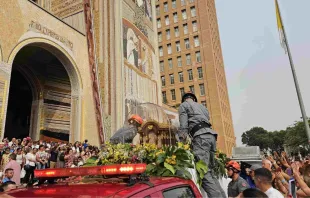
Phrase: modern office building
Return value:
(191, 60)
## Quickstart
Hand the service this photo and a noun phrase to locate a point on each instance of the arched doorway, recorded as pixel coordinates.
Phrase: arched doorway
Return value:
(44, 87)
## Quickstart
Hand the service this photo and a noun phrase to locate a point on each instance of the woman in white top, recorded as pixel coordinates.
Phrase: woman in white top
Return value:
(20, 157)
(30, 166)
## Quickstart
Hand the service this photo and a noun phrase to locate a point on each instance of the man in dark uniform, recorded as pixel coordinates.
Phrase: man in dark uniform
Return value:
(194, 124)
(237, 184)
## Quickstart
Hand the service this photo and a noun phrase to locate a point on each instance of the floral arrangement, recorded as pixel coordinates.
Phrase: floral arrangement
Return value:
(166, 161)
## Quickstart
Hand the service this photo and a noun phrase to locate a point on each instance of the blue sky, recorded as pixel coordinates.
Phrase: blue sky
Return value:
(259, 78)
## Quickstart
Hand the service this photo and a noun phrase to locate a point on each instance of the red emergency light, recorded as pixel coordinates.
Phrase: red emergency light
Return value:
(116, 169)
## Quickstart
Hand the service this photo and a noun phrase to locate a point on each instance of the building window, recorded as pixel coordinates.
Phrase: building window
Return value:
(182, 2)
(184, 15)
(198, 57)
(161, 53)
(178, 46)
(162, 67)
(188, 59)
(170, 63)
(196, 41)
(163, 81)
(175, 17)
(200, 74)
(192, 89)
(182, 91)
(191, 1)
(202, 89)
(158, 23)
(173, 94)
(190, 74)
(171, 79)
(166, 7)
(164, 97)
(167, 21)
(194, 26)
(187, 45)
(157, 10)
(179, 61)
(204, 103)
(181, 79)
(193, 11)
(160, 38)
(174, 4)
(169, 49)
(176, 32)
(185, 27)
(168, 34)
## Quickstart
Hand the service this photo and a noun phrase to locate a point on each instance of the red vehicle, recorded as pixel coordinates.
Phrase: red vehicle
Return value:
(129, 182)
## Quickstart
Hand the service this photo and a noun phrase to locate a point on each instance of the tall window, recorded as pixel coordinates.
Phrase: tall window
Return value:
(173, 94)
(170, 63)
(194, 26)
(166, 7)
(198, 57)
(191, 1)
(192, 89)
(164, 97)
(163, 81)
(200, 73)
(202, 89)
(187, 45)
(168, 34)
(162, 67)
(171, 79)
(158, 23)
(193, 11)
(184, 15)
(176, 32)
(169, 48)
(179, 61)
(188, 59)
(161, 53)
(204, 103)
(185, 27)
(182, 2)
(182, 91)
(190, 74)
(160, 38)
(178, 46)
(174, 4)
(157, 10)
(175, 17)
(196, 41)
(167, 20)
(181, 78)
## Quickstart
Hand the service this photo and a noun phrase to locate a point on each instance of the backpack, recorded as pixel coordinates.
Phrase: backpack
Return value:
(62, 157)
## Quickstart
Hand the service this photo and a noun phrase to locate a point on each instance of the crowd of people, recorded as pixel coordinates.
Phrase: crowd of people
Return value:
(20, 157)
(271, 178)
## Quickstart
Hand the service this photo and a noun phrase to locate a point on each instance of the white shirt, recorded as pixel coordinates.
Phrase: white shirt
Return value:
(273, 193)
(32, 157)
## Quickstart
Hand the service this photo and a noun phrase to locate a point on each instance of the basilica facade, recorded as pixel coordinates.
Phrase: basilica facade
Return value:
(73, 69)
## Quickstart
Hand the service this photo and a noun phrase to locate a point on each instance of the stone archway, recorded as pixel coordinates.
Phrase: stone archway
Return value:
(51, 103)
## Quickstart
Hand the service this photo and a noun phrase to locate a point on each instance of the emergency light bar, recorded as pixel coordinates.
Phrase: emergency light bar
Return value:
(117, 169)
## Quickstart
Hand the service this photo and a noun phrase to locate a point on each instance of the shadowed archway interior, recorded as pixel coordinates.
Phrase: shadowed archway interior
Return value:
(39, 96)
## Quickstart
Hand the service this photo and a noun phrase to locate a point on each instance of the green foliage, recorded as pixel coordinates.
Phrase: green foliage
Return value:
(219, 164)
(201, 169)
(293, 136)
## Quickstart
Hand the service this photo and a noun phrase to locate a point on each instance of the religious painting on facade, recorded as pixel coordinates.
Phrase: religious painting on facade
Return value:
(137, 50)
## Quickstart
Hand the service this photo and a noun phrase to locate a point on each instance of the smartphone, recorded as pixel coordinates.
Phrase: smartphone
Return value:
(292, 188)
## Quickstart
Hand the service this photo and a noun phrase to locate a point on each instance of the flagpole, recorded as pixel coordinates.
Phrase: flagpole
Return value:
(301, 103)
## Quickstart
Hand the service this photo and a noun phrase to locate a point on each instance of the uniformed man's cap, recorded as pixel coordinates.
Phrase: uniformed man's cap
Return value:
(189, 95)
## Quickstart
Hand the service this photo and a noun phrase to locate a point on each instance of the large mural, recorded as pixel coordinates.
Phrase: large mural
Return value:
(137, 50)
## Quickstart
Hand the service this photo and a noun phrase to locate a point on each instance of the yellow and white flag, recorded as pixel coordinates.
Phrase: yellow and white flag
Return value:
(280, 27)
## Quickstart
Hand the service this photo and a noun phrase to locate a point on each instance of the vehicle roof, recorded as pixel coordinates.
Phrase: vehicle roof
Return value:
(108, 189)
